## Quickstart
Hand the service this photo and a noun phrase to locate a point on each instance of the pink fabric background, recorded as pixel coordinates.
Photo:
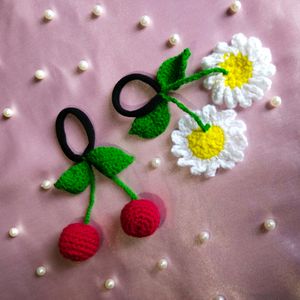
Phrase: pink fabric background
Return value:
(239, 262)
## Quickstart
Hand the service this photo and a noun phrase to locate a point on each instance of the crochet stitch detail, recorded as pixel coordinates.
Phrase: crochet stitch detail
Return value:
(76, 179)
(140, 218)
(153, 124)
(109, 160)
(79, 242)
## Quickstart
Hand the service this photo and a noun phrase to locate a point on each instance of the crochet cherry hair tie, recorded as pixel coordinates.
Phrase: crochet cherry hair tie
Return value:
(152, 119)
(139, 218)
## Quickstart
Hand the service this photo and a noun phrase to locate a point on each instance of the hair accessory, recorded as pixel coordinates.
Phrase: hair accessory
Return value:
(206, 139)
(152, 119)
(139, 218)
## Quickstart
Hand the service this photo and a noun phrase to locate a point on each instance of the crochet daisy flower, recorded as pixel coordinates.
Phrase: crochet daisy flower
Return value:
(249, 65)
(219, 147)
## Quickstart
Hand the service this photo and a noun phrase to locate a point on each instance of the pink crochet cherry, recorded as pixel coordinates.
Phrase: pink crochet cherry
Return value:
(79, 241)
(140, 218)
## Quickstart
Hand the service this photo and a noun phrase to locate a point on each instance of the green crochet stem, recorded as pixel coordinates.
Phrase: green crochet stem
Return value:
(177, 84)
(196, 76)
(87, 217)
(126, 188)
(188, 111)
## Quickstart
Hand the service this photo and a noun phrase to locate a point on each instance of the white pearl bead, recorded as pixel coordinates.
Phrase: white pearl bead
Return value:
(109, 284)
(270, 224)
(83, 65)
(162, 264)
(40, 74)
(235, 6)
(97, 10)
(174, 39)
(7, 113)
(13, 232)
(275, 101)
(156, 162)
(46, 184)
(49, 14)
(40, 271)
(145, 21)
(203, 237)
(219, 297)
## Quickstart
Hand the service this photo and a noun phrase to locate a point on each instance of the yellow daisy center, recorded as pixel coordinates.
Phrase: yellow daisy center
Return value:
(240, 69)
(206, 145)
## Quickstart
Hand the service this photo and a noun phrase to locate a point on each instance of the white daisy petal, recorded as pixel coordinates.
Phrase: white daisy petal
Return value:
(222, 47)
(196, 155)
(245, 56)
(247, 101)
(218, 93)
(238, 95)
(265, 56)
(186, 124)
(264, 70)
(209, 82)
(262, 82)
(178, 137)
(239, 41)
(253, 47)
(211, 60)
(256, 92)
(228, 114)
(179, 151)
(229, 100)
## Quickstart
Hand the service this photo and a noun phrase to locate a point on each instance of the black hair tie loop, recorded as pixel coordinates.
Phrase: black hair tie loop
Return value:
(144, 110)
(61, 134)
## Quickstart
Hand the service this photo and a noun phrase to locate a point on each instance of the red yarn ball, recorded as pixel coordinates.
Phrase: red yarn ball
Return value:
(79, 241)
(140, 218)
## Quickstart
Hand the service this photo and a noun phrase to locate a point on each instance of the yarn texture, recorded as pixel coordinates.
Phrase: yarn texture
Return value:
(79, 242)
(173, 69)
(153, 124)
(140, 218)
(109, 160)
(76, 179)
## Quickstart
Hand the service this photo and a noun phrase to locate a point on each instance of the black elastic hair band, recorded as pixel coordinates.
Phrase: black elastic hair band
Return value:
(144, 110)
(61, 134)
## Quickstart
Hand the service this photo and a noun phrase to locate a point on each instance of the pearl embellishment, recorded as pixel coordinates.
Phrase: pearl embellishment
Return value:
(40, 74)
(46, 184)
(49, 14)
(203, 237)
(40, 271)
(174, 39)
(275, 101)
(235, 6)
(270, 224)
(162, 264)
(109, 284)
(83, 65)
(219, 297)
(97, 10)
(145, 21)
(156, 162)
(13, 232)
(7, 113)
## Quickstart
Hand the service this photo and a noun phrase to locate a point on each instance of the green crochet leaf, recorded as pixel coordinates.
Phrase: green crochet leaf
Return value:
(173, 69)
(153, 124)
(109, 160)
(76, 179)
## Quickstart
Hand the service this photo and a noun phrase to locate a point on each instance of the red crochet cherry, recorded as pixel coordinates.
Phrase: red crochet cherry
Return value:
(140, 218)
(79, 241)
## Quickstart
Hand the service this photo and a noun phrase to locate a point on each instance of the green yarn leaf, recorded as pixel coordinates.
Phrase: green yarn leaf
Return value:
(76, 179)
(153, 124)
(173, 69)
(109, 160)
